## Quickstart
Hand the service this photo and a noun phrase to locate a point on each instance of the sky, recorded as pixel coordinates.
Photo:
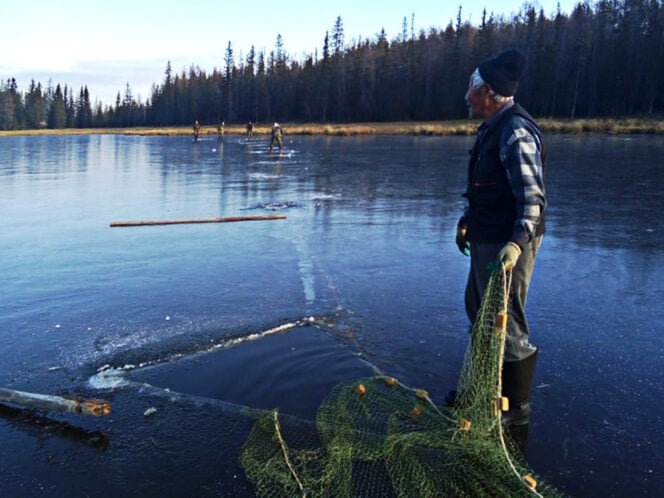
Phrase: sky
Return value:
(107, 45)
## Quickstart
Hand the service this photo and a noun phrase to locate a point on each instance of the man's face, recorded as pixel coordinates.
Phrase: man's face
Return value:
(478, 101)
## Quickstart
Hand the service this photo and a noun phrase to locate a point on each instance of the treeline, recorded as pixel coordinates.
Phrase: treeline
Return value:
(604, 59)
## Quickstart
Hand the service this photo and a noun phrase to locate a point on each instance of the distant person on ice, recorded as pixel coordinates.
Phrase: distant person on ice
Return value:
(250, 129)
(277, 136)
(220, 130)
(197, 130)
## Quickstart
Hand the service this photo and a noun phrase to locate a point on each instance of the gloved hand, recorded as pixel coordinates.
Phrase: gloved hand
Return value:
(461, 242)
(509, 255)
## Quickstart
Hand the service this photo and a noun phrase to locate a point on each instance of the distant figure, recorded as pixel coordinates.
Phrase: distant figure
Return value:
(250, 129)
(220, 130)
(277, 136)
(197, 130)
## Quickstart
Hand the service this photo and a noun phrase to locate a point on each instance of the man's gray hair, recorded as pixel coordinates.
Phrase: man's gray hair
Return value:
(476, 81)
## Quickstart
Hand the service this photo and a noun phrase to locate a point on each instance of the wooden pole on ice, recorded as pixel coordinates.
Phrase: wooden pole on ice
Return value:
(226, 219)
(55, 403)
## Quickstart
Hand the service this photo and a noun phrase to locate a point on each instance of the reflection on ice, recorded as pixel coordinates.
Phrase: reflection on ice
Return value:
(275, 206)
(263, 176)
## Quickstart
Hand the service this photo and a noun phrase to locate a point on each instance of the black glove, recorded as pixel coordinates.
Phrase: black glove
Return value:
(461, 242)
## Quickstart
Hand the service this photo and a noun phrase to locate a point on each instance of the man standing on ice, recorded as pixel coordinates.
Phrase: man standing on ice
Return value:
(277, 136)
(503, 221)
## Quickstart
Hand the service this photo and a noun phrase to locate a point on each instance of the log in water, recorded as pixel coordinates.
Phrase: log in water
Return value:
(224, 219)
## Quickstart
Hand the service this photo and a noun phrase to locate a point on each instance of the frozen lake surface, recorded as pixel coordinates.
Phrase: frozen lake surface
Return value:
(361, 277)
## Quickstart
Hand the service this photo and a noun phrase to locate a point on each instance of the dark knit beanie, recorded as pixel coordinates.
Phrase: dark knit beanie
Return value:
(504, 71)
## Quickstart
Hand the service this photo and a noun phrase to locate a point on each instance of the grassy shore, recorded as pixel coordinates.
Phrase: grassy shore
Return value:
(438, 128)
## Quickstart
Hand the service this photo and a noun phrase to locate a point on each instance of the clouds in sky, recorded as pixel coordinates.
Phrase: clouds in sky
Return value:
(106, 45)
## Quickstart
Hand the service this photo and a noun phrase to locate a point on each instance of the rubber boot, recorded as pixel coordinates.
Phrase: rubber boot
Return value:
(519, 436)
(517, 380)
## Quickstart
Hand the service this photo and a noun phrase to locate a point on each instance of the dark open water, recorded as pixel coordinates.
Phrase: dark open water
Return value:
(363, 275)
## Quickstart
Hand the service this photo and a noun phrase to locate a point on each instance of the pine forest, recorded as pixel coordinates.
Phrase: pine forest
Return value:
(605, 59)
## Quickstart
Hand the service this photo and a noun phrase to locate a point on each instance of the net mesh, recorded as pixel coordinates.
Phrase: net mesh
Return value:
(379, 437)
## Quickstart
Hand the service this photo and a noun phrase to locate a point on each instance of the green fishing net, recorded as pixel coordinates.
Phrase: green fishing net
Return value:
(378, 437)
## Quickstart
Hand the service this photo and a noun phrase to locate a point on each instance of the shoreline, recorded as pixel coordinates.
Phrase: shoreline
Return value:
(433, 128)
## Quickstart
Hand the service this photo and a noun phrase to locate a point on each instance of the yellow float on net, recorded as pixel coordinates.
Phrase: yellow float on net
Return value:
(501, 404)
(530, 481)
(501, 321)
(391, 381)
(361, 390)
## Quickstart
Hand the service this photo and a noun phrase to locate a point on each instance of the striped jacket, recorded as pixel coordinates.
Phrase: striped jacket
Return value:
(505, 190)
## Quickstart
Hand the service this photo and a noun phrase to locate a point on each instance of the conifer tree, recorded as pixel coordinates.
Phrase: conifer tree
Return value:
(57, 116)
(34, 106)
